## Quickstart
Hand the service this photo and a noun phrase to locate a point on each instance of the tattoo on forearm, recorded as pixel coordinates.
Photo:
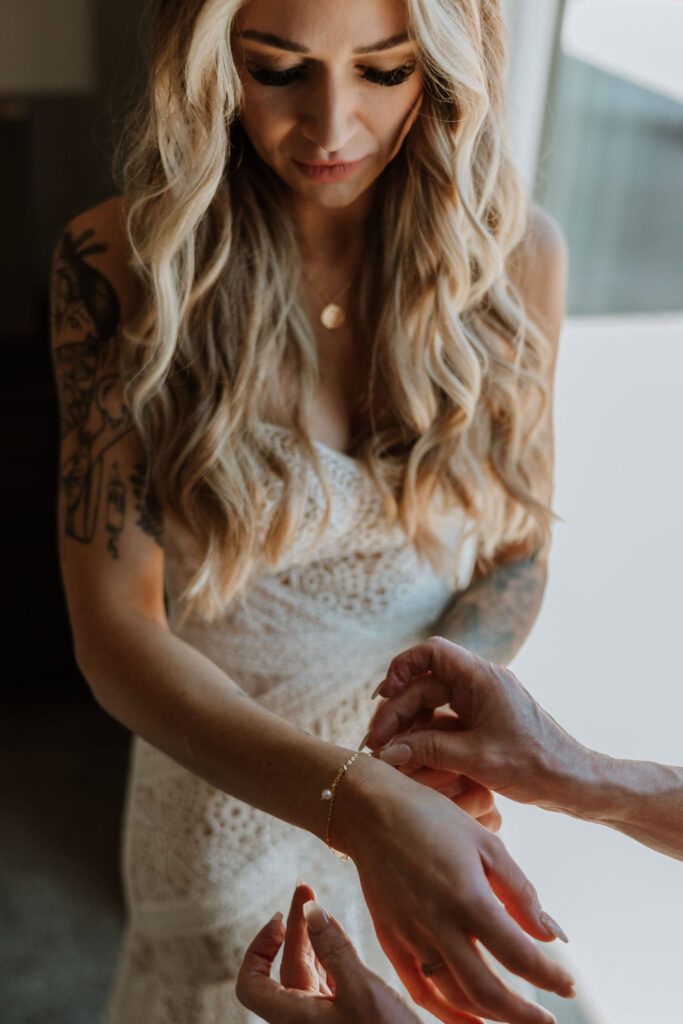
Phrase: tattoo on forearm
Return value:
(495, 615)
(86, 319)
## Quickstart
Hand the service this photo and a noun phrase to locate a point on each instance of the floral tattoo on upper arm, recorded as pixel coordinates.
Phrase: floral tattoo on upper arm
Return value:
(86, 322)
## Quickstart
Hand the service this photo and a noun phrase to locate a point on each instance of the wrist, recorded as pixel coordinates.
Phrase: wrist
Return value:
(588, 785)
(364, 800)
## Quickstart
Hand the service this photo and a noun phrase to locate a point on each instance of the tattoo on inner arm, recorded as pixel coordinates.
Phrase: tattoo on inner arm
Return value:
(495, 615)
(86, 320)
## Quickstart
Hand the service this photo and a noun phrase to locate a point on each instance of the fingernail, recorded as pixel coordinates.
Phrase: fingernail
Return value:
(317, 918)
(552, 927)
(364, 740)
(277, 917)
(377, 689)
(400, 753)
(300, 881)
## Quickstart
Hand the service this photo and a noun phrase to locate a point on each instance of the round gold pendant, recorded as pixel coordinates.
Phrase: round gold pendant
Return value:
(332, 316)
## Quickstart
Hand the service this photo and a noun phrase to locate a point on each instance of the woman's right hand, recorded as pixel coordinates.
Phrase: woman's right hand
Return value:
(435, 881)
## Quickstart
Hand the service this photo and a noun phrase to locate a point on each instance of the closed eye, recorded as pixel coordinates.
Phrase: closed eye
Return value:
(298, 73)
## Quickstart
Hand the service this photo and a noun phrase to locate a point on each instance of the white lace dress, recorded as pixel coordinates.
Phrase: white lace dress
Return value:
(203, 871)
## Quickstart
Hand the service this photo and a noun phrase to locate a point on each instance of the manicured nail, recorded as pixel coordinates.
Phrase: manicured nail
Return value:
(377, 689)
(317, 917)
(364, 740)
(277, 917)
(552, 927)
(400, 753)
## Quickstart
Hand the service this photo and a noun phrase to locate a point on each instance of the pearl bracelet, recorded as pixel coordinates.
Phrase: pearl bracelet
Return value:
(329, 794)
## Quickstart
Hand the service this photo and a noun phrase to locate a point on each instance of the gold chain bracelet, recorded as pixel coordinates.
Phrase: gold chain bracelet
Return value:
(330, 794)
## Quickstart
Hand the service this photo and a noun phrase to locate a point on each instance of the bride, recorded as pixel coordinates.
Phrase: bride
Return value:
(305, 365)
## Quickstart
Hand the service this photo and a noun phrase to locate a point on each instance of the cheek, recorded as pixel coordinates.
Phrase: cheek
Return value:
(266, 120)
(393, 115)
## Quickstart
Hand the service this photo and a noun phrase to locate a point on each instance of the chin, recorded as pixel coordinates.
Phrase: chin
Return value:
(331, 195)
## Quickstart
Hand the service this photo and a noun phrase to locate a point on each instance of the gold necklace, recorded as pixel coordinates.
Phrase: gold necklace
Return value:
(332, 315)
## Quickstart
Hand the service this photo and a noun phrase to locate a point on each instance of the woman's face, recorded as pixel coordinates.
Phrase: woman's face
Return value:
(327, 83)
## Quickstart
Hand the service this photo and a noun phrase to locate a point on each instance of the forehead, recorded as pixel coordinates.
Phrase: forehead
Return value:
(326, 26)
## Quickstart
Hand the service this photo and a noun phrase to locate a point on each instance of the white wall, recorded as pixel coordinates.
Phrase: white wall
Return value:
(605, 656)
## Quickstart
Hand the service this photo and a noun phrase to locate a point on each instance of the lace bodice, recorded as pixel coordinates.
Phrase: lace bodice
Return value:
(343, 608)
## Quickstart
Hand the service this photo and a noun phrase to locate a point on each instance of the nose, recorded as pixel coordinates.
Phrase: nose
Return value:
(328, 115)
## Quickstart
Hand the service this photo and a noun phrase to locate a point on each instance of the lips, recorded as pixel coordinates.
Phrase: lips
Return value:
(328, 163)
(325, 170)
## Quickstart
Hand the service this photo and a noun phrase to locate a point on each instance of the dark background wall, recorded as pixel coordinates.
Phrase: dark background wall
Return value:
(55, 161)
(62, 759)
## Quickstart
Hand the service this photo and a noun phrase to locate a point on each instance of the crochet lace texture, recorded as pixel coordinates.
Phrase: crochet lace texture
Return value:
(203, 871)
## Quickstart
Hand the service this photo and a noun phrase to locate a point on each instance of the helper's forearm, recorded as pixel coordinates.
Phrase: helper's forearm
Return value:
(642, 799)
(494, 616)
(177, 699)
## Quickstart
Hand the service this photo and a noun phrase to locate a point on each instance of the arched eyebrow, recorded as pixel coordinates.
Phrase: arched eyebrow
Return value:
(287, 44)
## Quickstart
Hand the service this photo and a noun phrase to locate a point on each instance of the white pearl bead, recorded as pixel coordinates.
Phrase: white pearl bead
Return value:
(327, 794)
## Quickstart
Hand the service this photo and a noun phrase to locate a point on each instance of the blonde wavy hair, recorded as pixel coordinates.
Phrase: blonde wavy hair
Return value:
(454, 357)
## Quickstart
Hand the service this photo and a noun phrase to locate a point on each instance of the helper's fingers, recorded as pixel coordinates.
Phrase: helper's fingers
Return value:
(447, 662)
(258, 959)
(474, 799)
(401, 712)
(299, 968)
(449, 783)
(454, 750)
(260, 993)
(346, 972)
(492, 820)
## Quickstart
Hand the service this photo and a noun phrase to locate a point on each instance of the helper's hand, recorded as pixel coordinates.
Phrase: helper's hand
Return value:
(323, 981)
(437, 885)
(471, 797)
(499, 736)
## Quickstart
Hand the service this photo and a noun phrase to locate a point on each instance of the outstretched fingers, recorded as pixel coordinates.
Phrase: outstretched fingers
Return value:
(486, 990)
(518, 895)
(455, 1008)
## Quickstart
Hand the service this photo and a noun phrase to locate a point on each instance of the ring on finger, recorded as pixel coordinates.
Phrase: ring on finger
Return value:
(429, 969)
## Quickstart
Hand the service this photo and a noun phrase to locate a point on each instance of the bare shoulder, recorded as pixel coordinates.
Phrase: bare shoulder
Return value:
(97, 237)
(539, 268)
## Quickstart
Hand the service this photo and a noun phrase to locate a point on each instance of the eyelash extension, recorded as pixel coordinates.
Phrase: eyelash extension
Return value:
(267, 76)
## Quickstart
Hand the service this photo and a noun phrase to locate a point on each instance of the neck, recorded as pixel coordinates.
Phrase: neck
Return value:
(329, 235)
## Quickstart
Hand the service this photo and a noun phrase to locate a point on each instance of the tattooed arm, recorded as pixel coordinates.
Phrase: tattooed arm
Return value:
(86, 322)
(495, 614)
(112, 559)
